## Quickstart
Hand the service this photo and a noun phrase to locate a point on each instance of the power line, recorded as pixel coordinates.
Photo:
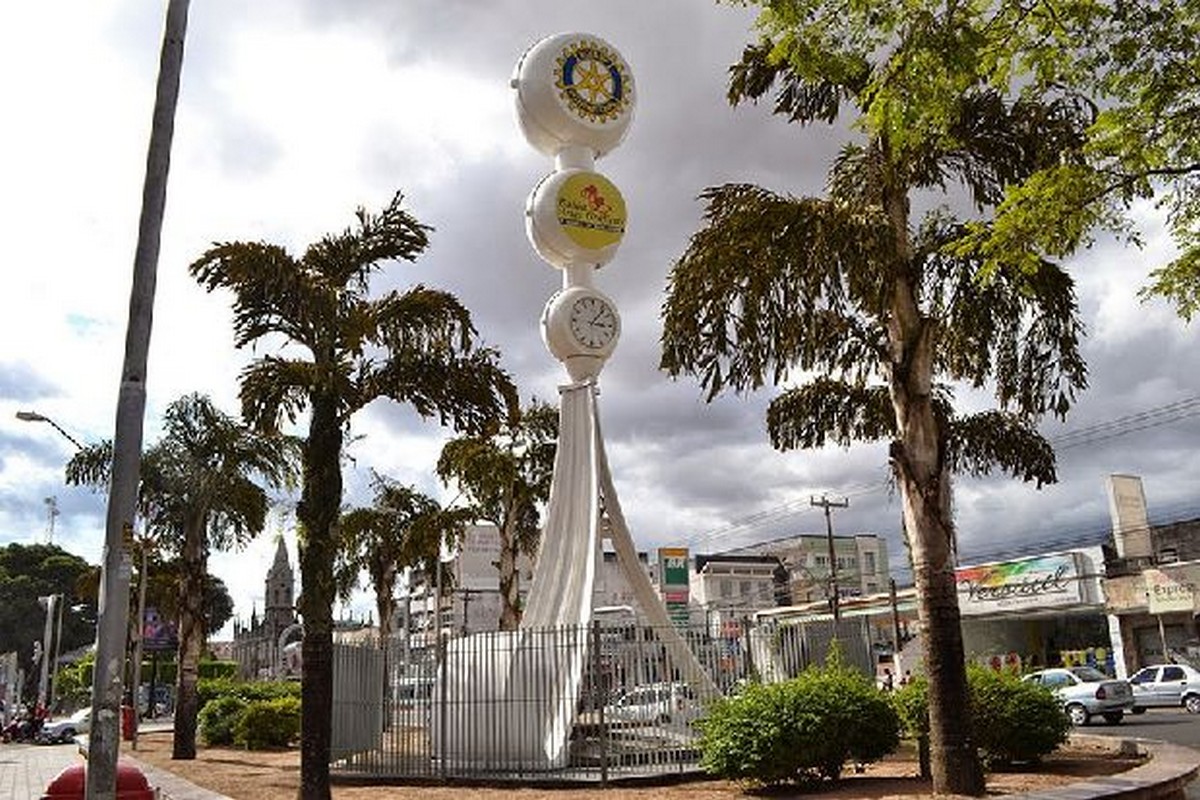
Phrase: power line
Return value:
(1177, 410)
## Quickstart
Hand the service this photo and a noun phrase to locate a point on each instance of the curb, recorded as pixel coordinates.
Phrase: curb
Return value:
(167, 785)
(1171, 767)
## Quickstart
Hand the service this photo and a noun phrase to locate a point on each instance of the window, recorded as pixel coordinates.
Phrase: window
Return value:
(1173, 674)
(822, 561)
(869, 563)
(726, 587)
(1145, 676)
(744, 589)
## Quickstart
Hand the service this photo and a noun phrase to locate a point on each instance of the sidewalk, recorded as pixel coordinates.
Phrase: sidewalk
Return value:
(170, 786)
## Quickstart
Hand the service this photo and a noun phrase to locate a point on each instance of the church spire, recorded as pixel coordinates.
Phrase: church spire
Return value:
(281, 555)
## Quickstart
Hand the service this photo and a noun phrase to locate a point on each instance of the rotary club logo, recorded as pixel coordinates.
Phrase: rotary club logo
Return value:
(592, 81)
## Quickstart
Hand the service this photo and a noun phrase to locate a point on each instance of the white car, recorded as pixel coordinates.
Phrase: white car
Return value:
(1086, 692)
(64, 730)
(1166, 686)
(655, 704)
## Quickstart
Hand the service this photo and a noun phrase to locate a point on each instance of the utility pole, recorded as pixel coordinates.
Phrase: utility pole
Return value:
(117, 564)
(57, 650)
(52, 513)
(827, 504)
(50, 602)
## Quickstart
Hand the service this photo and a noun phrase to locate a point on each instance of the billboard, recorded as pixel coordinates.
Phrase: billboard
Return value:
(158, 633)
(673, 582)
(1026, 583)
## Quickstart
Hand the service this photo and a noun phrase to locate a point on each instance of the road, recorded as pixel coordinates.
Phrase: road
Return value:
(1165, 724)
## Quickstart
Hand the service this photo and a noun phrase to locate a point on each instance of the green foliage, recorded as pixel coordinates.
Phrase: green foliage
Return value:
(74, 682)
(209, 689)
(911, 702)
(217, 669)
(799, 731)
(266, 724)
(1013, 721)
(218, 719)
(28, 572)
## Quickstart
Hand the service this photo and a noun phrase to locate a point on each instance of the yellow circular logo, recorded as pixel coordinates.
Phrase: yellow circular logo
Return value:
(591, 211)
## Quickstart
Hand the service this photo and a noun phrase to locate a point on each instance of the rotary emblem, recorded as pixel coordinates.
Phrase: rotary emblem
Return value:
(592, 81)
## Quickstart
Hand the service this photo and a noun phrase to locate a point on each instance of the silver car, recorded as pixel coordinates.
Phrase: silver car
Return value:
(1086, 692)
(1166, 686)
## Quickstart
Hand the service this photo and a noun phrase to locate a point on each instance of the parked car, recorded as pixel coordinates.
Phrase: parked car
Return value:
(1086, 692)
(655, 703)
(64, 730)
(1166, 686)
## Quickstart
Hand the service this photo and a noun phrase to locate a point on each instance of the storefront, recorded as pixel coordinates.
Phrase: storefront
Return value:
(1155, 609)
(1028, 613)
(1024, 614)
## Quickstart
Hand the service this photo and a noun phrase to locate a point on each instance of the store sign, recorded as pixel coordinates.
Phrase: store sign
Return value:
(1014, 585)
(673, 582)
(1165, 594)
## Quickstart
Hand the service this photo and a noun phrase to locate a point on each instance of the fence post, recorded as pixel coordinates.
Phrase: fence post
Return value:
(599, 693)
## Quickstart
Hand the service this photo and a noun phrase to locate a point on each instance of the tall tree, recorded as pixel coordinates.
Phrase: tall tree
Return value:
(198, 491)
(418, 348)
(28, 572)
(867, 320)
(505, 473)
(403, 529)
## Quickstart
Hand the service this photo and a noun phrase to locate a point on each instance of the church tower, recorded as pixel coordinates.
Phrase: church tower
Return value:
(279, 611)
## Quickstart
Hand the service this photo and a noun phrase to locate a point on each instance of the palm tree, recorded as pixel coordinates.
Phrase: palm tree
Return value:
(403, 529)
(506, 474)
(417, 347)
(197, 491)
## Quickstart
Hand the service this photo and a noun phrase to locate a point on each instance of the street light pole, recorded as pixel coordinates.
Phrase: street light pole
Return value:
(104, 741)
(33, 416)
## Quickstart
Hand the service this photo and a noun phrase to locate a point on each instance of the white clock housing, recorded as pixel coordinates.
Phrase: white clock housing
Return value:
(573, 89)
(580, 327)
(575, 217)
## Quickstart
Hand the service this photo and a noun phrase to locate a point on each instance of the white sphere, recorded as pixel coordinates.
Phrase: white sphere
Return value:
(575, 217)
(573, 89)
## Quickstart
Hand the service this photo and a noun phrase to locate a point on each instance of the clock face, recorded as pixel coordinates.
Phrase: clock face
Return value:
(593, 322)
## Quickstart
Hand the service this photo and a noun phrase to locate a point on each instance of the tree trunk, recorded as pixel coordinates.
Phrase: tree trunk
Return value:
(918, 459)
(510, 588)
(191, 639)
(318, 511)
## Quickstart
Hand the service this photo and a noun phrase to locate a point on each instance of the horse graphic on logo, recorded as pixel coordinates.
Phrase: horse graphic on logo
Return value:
(595, 199)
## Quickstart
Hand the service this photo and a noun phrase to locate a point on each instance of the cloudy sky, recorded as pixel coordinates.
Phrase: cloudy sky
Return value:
(295, 112)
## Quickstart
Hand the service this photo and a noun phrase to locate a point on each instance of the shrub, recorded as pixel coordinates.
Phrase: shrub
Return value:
(217, 669)
(208, 689)
(218, 719)
(1014, 720)
(1011, 720)
(798, 731)
(268, 723)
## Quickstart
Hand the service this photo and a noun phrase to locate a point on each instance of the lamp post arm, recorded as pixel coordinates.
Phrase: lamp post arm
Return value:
(70, 438)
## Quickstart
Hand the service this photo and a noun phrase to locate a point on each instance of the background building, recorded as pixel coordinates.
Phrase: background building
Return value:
(861, 561)
(256, 646)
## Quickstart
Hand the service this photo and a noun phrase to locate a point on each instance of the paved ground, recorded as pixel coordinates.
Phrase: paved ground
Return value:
(27, 769)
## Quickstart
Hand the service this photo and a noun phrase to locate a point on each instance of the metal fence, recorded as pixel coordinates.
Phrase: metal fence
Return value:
(587, 704)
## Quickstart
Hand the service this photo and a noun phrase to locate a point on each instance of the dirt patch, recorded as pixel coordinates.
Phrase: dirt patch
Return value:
(246, 775)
